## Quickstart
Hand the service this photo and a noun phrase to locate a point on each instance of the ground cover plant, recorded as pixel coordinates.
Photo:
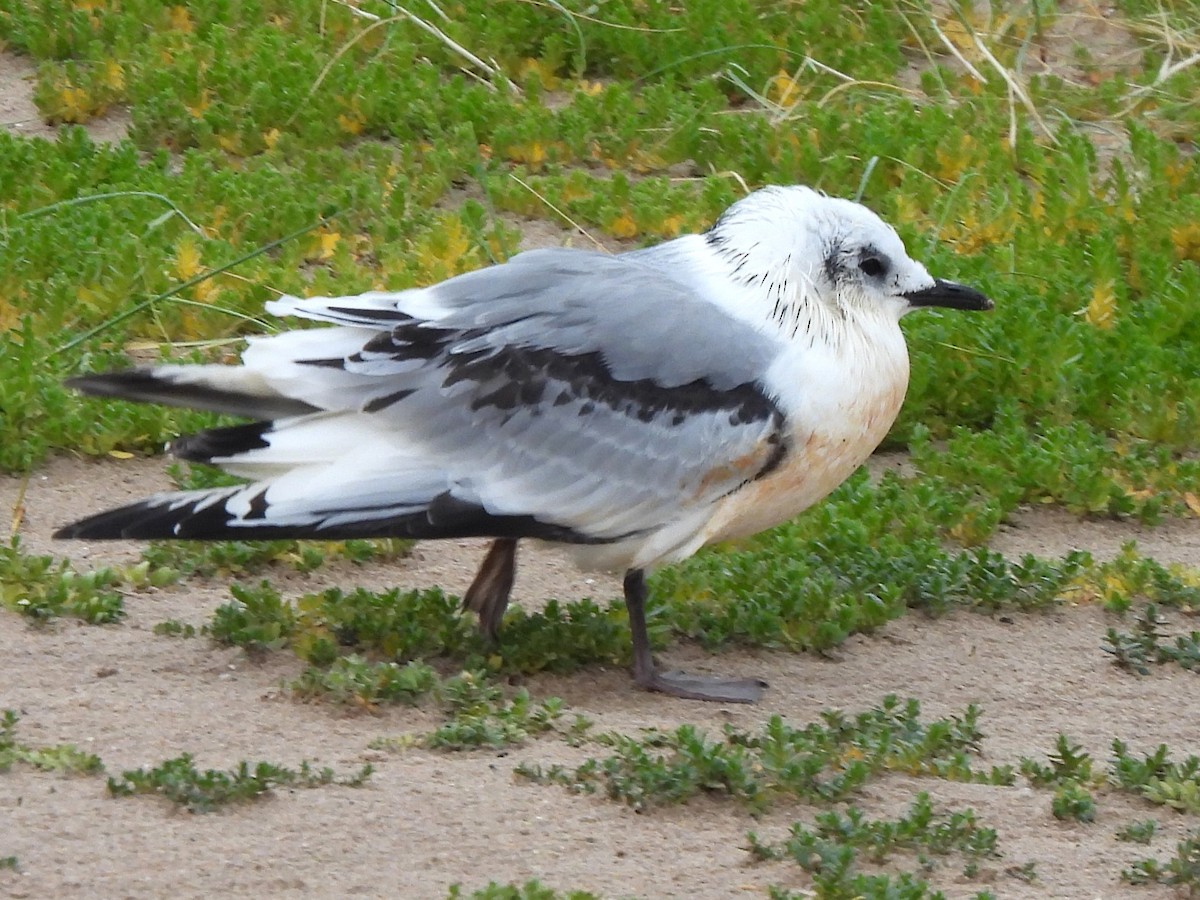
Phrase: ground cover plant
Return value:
(324, 147)
(826, 761)
(176, 779)
(179, 781)
(65, 758)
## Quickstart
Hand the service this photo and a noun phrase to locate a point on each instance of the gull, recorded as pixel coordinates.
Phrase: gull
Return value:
(632, 408)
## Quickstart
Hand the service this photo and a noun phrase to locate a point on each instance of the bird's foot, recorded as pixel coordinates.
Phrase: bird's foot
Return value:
(701, 687)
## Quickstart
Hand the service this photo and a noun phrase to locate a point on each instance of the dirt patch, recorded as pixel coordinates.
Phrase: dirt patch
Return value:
(426, 820)
(19, 114)
(1082, 42)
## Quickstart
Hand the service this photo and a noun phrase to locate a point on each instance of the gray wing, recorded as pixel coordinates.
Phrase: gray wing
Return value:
(646, 323)
(563, 394)
(587, 391)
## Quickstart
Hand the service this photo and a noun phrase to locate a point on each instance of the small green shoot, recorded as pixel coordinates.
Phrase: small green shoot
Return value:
(530, 890)
(1157, 778)
(481, 717)
(1069, 764)
(831, 851)
(822, 762)
(1144, 647)
(1073, 801)
(198, 791)
(1138, 832)
(1181, 871)
(175, 628)
(64, 758)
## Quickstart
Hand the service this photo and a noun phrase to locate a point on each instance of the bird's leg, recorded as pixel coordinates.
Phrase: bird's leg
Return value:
(677, 684)
(488, 593)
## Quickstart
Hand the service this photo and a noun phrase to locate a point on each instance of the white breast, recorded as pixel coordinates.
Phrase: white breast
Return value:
(840, 398)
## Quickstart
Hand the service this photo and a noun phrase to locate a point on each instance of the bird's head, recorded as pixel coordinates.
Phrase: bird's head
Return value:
(804, 248)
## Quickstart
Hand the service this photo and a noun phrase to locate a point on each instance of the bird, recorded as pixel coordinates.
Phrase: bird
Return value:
(630, 407)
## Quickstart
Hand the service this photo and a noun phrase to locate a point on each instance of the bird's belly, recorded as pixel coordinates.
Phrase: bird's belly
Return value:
(818, 460)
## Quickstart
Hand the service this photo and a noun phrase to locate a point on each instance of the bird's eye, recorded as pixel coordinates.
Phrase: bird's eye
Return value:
(872, 266)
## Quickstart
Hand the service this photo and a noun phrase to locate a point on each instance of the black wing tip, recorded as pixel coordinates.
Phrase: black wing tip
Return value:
(107, 384)
(204, 446)
(87, 530)
(154, 384)
(111, 525)
(446, 517)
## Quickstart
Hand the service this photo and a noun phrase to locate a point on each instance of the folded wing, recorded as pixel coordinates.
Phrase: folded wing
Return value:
(564, 395)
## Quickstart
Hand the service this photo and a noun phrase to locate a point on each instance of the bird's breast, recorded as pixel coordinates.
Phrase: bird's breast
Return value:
(843, 408)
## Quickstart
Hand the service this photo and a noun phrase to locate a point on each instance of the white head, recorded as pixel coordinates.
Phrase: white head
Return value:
(804, 248)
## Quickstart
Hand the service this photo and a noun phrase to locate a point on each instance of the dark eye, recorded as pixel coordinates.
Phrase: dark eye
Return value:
(872, 266)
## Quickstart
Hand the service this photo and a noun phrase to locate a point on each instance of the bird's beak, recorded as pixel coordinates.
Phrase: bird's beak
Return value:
(950, 295)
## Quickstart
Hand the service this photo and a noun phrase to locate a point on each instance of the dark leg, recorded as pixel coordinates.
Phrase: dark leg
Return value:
(488, 593)
(677, 684)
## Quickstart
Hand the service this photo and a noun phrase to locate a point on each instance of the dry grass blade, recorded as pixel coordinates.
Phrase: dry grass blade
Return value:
(112, 195)
(954, 51)
(885, 85)
(191, 282)
(601, 22)
(328, 67)
(18, 509)
(355, 11)
(566, 218)
(488, 69)
(1015, 87)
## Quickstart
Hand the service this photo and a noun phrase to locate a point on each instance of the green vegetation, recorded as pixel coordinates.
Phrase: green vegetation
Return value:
(182, 783)
(830, 852)
(411, 626)
(822, 762)
(258, 619)
(176, 779)
(42, 587)
(830, 762)
(479, 715)
(1182, 870)
(1068, 764)
(846, 567)
(357, 681)
(1156, 778)
(1073, 802)
(1136, 651)
(530, 890)
(1069, 771)
(175, 628)
(65, 758)
(1138, 832)
(240, 558)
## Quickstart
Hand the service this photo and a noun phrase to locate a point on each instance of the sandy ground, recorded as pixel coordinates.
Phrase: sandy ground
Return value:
(426, 820)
